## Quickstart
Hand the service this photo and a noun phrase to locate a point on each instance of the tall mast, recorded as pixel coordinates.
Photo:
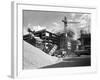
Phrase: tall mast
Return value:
(65, 24)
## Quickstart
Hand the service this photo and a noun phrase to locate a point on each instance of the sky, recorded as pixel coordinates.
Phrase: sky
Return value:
(52, 21)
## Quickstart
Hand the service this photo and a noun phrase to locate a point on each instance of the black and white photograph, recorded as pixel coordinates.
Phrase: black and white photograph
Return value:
(55, 39)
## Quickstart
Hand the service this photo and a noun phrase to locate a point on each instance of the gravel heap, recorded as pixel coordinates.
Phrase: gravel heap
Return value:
(36, 58)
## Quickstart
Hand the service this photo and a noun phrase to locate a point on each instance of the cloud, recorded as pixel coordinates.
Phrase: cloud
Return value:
(84, 23)
(85, 20)
(73, 15)
(25, 31)
(36, 28)
(55, 24)
(55, 27)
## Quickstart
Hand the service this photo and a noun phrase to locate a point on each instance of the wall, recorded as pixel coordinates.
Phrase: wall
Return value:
(5, 38)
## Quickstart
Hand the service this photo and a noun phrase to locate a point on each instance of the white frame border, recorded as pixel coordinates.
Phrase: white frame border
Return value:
(16, 66)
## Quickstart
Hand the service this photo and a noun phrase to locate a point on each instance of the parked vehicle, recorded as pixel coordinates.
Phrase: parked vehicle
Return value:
(85, 51)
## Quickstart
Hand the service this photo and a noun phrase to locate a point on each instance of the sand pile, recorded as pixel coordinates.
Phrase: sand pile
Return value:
(35, 58)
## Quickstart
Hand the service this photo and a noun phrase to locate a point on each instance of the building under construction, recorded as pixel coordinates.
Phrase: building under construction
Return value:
(57, 44)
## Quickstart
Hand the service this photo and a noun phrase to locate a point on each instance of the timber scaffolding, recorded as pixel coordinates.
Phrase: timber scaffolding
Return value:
(50, 37)
(45, 36)
(56, 42)
(46, 39)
